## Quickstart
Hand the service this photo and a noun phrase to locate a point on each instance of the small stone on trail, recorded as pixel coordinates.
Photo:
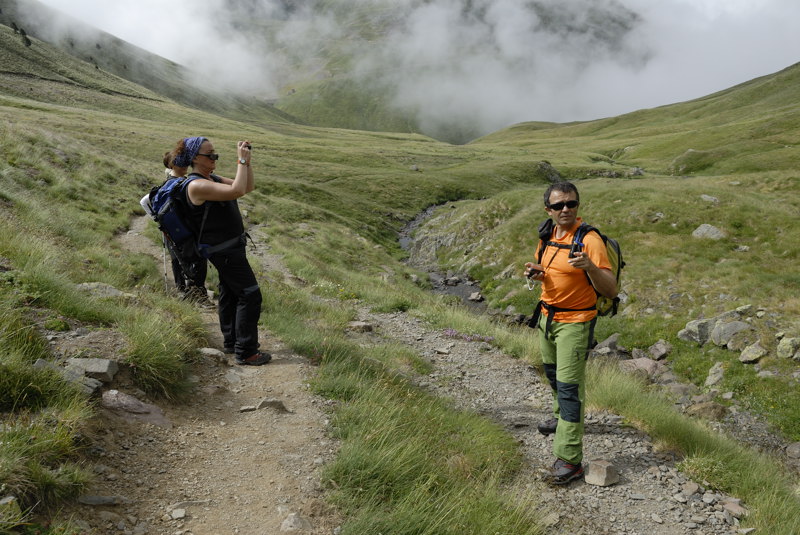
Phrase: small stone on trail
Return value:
(360, 326)
(296, 522)
(601, 473)
(274, 404)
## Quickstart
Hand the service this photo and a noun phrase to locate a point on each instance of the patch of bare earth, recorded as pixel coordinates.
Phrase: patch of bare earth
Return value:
(243, 455)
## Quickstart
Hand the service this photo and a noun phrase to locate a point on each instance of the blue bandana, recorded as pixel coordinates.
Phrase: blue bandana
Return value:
(191, 146)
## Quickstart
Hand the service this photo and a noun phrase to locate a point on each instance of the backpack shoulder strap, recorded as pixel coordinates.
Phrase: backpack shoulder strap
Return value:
(583, 230)
(545, 233)
(185, 181)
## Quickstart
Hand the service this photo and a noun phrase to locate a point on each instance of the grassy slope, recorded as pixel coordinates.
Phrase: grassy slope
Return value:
(105, 56)
(76, 157)
(749, 128)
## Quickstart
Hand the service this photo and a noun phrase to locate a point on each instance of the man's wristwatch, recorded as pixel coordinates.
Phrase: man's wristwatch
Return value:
(242, 161)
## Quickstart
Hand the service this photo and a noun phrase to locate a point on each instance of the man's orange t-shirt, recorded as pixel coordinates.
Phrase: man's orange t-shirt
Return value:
(565, 286)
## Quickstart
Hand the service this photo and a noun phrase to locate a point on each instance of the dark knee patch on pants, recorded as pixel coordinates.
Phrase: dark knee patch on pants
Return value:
(569, 402)
(550, 373)
(252, 295)
(251, 289)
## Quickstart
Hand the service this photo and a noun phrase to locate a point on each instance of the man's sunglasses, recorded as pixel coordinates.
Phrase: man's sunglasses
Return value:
(560, 205)
(211, 156)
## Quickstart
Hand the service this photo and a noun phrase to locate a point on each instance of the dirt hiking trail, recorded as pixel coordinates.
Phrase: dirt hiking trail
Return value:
(242, 456)
(245, 454)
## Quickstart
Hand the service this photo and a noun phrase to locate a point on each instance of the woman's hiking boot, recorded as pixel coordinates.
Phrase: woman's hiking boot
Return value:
(258, 359)
(564, 472)
(548, 427)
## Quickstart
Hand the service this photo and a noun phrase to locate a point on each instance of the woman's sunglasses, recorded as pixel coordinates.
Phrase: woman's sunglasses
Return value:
(560, 205)
(211, 156)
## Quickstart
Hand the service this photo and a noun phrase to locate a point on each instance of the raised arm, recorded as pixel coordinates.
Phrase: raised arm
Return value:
(201, 191)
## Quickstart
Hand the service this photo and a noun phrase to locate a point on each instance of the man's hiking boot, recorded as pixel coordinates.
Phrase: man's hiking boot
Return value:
(548, 427)
(564, 472)
(206, 303)
(229, 350)
(257, 359)
(199, 297)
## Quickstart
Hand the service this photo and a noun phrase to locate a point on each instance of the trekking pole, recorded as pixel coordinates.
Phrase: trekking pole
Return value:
(166, 282)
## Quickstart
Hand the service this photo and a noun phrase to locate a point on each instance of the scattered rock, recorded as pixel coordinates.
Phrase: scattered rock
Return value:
(296, 522)
(601, 473)
(724, 332)
(690, 488)
(610, 343)
(453, 281)
(360, 327)
(87, 384)
(103, 500)
(660, 350)
(211, 352)
(788, 348)
(127, 405)
(111, 517)
(708, 410)
(10, 509)
(545, 169)
(274, 404)
(697, 331)
(715, 374)
(101, 369)
(735, 509)
(649, 367)
(752, 354)
(508, 272)
(101, 289)
(476, 297)
(793, 450)
(706, 231)
(635, 171)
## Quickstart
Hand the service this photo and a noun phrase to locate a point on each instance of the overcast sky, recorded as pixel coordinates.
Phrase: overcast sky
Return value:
(678, 50)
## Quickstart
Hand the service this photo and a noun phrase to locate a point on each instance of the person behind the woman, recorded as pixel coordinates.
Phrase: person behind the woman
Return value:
(190, 279)
(223, 230)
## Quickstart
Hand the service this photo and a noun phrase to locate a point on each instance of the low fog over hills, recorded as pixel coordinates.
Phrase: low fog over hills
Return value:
(453, 69)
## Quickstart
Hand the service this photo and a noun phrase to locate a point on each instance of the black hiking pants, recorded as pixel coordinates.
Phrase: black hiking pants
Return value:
(239, 301)
(194, 280)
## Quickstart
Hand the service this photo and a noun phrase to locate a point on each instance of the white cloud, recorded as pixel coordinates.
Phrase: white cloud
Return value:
(493, 64)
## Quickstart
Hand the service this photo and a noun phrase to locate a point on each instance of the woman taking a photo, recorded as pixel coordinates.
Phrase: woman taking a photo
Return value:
(223, 237)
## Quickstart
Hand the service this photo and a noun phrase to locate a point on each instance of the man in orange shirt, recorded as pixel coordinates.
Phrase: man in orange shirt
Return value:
(572, 275)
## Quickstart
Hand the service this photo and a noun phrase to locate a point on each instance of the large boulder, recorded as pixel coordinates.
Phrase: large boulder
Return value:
(698, 330)
(789, 348)
(752, 354)
(723, 333)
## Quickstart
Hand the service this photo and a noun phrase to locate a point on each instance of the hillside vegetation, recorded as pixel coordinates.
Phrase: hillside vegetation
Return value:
(750, 128)
(83, 55)
(80, 146)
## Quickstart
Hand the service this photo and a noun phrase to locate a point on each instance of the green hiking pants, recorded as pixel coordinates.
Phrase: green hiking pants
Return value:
(564, 350)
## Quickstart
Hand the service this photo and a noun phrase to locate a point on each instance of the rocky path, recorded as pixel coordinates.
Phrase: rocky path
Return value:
(651, 498)
(244, 455)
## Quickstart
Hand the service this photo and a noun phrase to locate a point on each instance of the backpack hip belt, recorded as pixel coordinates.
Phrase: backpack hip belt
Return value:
(208, 250)
(551, 312)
